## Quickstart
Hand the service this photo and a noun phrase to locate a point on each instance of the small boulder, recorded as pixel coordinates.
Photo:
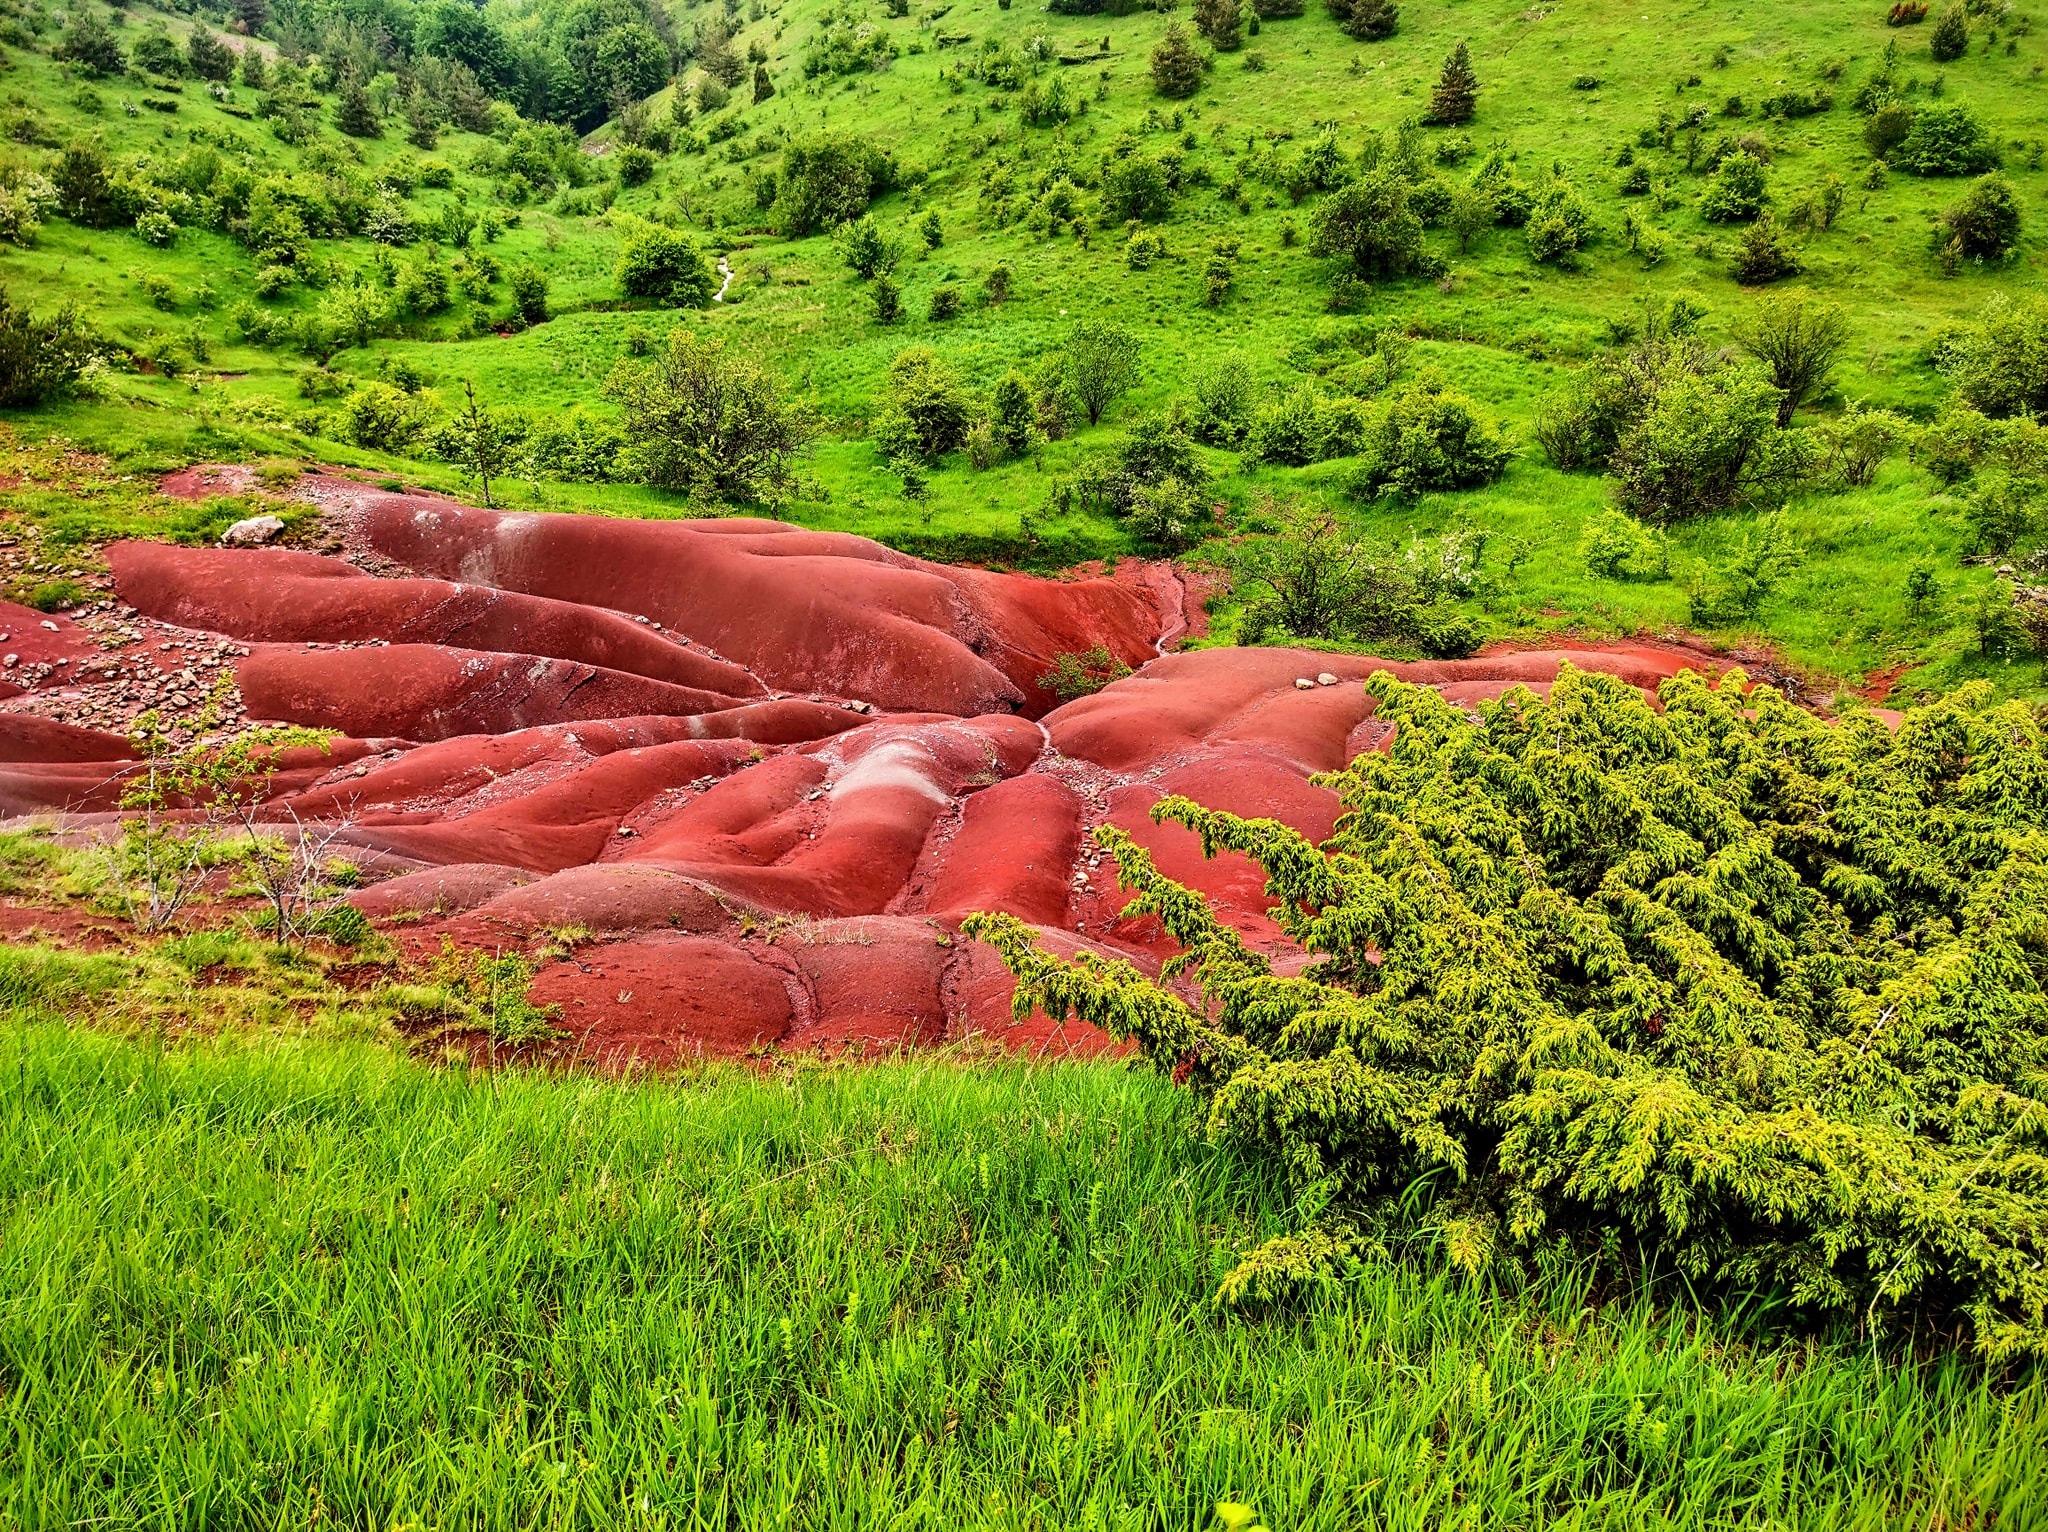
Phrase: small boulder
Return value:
(252, 532)
(1326, 679)
(1304, 684)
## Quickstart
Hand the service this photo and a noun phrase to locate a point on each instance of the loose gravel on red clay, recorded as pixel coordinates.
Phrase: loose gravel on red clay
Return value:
(770, 770)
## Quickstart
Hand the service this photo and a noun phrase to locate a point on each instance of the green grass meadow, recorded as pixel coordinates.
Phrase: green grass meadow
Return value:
(289, 1284)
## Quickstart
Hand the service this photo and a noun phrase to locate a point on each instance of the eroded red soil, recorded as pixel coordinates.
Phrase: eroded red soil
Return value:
(766, 771)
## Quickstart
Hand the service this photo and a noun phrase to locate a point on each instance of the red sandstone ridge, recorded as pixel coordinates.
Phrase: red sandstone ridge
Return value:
(554, 721)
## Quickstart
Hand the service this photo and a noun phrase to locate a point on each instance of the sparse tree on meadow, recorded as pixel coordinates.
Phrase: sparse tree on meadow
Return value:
(1176, 64)
(1456, 95)
(1798, 337)
(1102, 364)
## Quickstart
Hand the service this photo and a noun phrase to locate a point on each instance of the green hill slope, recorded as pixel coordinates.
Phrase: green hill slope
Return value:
(1014, 134)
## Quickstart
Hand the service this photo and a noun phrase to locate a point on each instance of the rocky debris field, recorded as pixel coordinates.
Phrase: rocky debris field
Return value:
(769, 771)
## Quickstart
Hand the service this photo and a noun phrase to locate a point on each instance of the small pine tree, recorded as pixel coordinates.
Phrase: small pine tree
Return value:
(1763, 256)
(1013, 412)
(1370, 21)
(1457, 90)
(888, 299)
(209, 57)
(353, 113)
(763, 86)
(1176, 65)
(1222, 22)
(252, 15)
(1951, 37)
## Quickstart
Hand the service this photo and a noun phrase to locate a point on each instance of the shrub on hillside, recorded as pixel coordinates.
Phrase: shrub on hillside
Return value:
(1763, 255)
(1134, 186)
(1950, 39)
(89, 43)
(1176, 64)
(1370, 21)
(1999, 361)
(1737, 190)
(1616, 546)
(1304, 425)
(1683, 429)
(1812, 1074)
(636, 165)
(1319, 578)
(1886, 128)
(1984, 224)
(707, 418)
(928, 408)
(1706, 440)
(1559, 223)
(1946, 140)
(867, 251)
(1368, 223)
(1101, 364)
(658, 263)
(1222, 405)
(828, 179)
(39, 358)
(1427, 436)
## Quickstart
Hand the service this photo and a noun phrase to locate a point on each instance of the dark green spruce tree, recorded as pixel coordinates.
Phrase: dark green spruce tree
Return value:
(1456, 96)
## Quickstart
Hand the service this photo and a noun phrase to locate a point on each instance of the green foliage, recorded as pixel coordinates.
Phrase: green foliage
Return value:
(1798, 338)
(490, 990)
(1304, 425)
(1946, 139)
(1558, 223)
(1428, 436)
(867, 251)
(1984, 223)
(1762, 255)
(1223, 395)
(1082, 673)
(635, 165)
(89, 43)
(1616, 546)
(706, 417)
(847, 42)
(1135, 186)
(927, 411)
(1176, 64)
(1456, 96)
(39, 358)
(1729, 591)
(1950, 39)
(1368, 223)
(1369, 21)
(658, 263)
(1319, 578)
(529, 292)
(1705, 439)
(1101, 364)
(1737, 191)
(382, 418)
(1764, 993)
(1858, 440)
(829, 179)
(1999, 362)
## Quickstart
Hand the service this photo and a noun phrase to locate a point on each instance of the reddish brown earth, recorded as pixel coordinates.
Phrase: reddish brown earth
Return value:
(754, 775)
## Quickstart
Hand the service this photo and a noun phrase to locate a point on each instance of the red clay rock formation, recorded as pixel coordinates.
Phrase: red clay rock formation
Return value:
(568, 721)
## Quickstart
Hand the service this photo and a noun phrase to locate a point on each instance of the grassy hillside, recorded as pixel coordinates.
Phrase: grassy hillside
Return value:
(266, 1285)
(1562, 91)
